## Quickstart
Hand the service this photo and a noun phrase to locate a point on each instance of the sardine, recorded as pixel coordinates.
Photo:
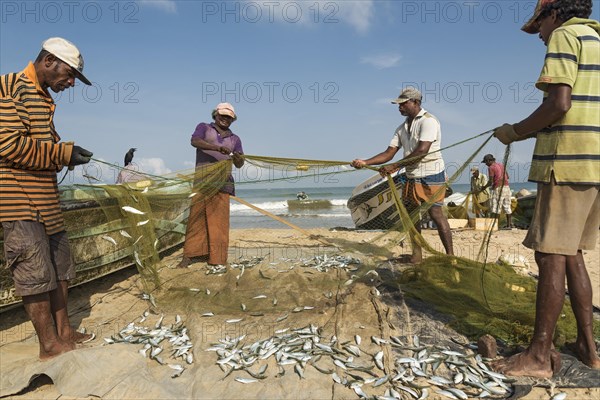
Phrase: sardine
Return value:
(132, 210)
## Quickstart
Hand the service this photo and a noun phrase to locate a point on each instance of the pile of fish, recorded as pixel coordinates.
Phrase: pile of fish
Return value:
(324, 263)
(159, 340)
(416, 370)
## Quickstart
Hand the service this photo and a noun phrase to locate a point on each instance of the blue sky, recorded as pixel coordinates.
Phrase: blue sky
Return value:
(309, 79)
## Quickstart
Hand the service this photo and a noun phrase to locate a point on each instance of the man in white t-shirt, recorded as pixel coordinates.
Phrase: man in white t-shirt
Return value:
(420, 137)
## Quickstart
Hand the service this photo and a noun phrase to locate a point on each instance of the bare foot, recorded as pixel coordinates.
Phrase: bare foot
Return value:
(79, 337)
(586, 355)
(51, 350)
(185, 262)
(72, 335)
(525, 364)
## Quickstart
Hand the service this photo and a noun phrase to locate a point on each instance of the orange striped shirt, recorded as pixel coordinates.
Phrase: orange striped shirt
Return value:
(30, 152)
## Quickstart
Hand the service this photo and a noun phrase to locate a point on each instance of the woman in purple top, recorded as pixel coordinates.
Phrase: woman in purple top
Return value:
(207, 233)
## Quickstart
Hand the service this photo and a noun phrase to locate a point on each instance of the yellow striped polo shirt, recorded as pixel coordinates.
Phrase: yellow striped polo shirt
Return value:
(570, 148)
(30, 152)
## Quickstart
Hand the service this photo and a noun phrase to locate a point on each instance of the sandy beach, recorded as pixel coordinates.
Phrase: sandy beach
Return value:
(109, 304)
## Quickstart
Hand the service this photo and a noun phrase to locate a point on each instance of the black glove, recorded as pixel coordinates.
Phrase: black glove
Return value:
(80, 156)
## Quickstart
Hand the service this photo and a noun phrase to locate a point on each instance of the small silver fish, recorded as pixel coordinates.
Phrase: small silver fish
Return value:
(260, 296)
(132, 210)
(108, 238)
(233, 321)
(246, 380)
(143, 222)
(125, 234)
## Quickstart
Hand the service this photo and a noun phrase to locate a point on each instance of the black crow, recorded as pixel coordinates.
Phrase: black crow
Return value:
(129, 156)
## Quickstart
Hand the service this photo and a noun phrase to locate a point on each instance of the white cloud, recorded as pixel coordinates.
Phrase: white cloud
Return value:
(154, 166)
(381, 61)
(164, 5)
(358, 14)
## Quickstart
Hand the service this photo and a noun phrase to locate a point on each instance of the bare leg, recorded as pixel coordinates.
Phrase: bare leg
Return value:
(443, 228)
(417, 252)
(580, 291)
(509, 220)
(39, 311)
(58, 303)
(538, 360)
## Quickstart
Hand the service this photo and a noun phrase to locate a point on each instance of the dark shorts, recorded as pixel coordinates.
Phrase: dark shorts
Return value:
(37, 261)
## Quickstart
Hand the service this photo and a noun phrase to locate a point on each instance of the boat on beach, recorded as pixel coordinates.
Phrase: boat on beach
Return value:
(372, 205)
(103, 239)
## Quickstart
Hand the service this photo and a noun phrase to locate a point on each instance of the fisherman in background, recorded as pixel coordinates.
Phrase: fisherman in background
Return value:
(480, 192)
(36, 246)
(207, 233)
(501, 194)
(301, 196)
(130, 173)
(420, 136)
(566, 167)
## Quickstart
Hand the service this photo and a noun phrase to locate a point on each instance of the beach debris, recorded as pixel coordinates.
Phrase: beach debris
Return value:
(159, 339)
(132, 210)
(413, 371)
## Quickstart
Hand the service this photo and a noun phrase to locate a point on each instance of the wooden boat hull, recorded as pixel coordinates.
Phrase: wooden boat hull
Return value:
(92, 217)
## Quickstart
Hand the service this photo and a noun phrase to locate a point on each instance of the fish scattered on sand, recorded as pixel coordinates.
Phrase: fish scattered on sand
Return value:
(413, 373)
(158, 340)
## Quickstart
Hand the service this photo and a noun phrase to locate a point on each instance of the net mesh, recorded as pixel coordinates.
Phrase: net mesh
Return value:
(115, 226)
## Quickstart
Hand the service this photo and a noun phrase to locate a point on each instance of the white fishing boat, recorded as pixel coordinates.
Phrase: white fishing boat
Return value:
(372, 205)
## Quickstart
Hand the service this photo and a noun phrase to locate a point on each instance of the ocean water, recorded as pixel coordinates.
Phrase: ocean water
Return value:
(333, 214)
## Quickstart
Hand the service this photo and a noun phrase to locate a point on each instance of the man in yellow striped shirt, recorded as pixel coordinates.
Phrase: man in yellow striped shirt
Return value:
(36, 246)
(566, 166)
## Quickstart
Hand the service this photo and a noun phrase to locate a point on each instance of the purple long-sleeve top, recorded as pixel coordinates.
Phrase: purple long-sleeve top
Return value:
(209, 133)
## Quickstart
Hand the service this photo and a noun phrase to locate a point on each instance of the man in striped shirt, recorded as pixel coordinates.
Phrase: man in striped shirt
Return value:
(566, 166)
(36, 246)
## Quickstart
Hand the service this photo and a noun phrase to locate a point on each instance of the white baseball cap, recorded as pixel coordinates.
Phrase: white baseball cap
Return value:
(68, 53)
(225, 109)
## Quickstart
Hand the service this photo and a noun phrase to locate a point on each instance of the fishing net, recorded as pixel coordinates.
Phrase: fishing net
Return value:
(274, 286)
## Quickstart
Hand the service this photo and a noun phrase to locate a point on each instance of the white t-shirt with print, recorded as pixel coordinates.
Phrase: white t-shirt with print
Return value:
(425, 127)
